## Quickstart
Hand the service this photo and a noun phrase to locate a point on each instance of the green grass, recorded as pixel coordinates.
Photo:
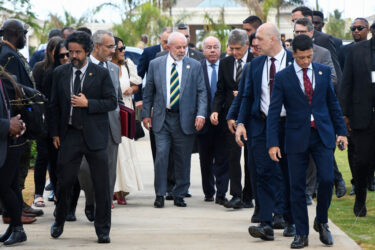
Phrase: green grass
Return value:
(362, 230)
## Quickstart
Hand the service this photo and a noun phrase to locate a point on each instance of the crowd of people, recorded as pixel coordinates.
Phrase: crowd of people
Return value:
(289, 103)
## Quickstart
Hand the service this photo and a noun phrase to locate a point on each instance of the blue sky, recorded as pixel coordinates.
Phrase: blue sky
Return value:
(350, 8)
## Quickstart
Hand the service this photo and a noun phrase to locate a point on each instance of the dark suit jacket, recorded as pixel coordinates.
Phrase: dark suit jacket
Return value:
(324, 107)
(343, 52)
(13, 64)
(225, 86)
(249, 113)
(98, 89)
(4, 127)
(37, 57)
(356, 91)
(338, 43)
(326, 41)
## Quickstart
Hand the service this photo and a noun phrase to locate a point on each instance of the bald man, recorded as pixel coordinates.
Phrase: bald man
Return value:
(255, 104)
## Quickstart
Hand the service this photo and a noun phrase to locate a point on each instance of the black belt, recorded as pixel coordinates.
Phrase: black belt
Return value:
(171, 111)
(264, 117)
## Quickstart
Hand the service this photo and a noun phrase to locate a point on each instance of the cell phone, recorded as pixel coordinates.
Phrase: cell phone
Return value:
(341, 145)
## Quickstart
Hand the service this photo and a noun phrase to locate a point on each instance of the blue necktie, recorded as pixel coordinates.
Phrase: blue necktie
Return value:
(213, 82)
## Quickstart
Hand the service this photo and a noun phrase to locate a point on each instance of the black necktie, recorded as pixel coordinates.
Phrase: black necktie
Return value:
(76, 115)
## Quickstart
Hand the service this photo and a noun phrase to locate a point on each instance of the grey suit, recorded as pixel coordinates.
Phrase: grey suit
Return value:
(195, 54)
(174, 129)
(114, 140)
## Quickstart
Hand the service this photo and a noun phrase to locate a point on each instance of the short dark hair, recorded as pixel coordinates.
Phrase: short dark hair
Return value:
(57, 53)
(254, 21)
(302, 43)
(54, 32)
(306, 11)
(318, 13)
(81, 38)
(251, 38)
(182, 26)
(362, 19)
(85, 29)
(66, 28)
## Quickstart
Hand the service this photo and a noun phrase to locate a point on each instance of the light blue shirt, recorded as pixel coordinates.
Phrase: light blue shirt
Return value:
(209, 70)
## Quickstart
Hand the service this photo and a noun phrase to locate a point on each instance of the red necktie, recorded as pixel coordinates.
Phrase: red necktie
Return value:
(272, 74)
(308, 90)
(4, 98)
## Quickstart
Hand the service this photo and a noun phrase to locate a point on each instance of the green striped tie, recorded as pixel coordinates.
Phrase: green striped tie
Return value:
(175, 88)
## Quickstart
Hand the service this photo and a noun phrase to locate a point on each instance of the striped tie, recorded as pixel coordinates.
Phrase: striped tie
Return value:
(238, 71)
(175, 88)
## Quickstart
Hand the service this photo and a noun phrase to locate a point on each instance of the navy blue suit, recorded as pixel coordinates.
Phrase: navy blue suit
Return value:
(148, 54)
(213, 155)
(301, 139)
(269, 180)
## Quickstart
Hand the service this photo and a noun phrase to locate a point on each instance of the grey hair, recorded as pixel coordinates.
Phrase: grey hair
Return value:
(238, 36)
(304, 22)
(209, 37)
(98, 36)
(175, 34)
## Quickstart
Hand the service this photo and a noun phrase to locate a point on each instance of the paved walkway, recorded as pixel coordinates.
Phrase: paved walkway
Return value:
(139, 225)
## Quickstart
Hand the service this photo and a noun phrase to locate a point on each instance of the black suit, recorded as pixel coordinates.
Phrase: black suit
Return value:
(91, 141)
(10, 193)
(213, 155)
(222, 101)
(358, 104)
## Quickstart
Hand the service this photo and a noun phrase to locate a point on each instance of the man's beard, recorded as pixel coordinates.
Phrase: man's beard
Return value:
(78, 63)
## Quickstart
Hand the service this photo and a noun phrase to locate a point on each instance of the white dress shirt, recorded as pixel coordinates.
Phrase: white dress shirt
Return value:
(299, 73)
(209, 70)
(244, 58)
(170, 62)
(96, 61)
(280, 64)
(72, 78)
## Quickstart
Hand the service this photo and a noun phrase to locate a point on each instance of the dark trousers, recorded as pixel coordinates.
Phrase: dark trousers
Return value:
(41, 165)
(10, 192)
(213, 158)
(251, 170)
(247, 192)
(234, 164)
(24, 164)
(52, 153)
(72, 149)
(364, 156)
(298, 162)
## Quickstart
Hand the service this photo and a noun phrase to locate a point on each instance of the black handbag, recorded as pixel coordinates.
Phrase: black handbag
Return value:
(139, 133)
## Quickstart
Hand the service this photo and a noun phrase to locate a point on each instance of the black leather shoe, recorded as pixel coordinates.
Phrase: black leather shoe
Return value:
(325, 235)
(353, 190)
(71, 216)
(371, 184)
(179, 202)
(7, 234)
(255, 218)
(56, 229)
(248, 204)
(360, 210)
(208, 198)
(90, 212)
(18, 235)
(340, 188)
(263, 231)
(308, 200)
(104, 238)
(278, 221)
(49, 187)
(188, 195)
(300, 241)
(159, 202)
(169, 197)
(220, 200)
(289, 230)
(27, 209)
(235, 203)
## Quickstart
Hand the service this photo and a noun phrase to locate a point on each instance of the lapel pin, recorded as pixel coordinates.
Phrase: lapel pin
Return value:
(289, 63)
(111, 69)
(192, 53)
(320, 73)
(188, 66)
(90, 74)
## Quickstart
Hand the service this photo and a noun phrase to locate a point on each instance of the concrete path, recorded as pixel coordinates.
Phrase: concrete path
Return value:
(139, 225)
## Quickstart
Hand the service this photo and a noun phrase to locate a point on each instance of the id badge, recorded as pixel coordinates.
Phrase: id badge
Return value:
(373, 76)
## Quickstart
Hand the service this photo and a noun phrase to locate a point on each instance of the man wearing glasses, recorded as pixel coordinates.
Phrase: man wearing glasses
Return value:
(104, 49)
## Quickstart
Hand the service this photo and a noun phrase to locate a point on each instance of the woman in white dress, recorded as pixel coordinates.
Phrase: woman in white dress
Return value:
(128, 168)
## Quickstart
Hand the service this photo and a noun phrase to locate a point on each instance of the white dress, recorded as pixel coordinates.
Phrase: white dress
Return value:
(128, 168)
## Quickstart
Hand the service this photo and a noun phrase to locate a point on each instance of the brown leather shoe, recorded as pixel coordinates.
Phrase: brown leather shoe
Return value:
(24, 220)
(28, 214)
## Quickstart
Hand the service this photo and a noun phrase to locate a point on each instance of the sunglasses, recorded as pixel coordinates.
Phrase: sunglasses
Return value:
(359, 28)
(62, 56)
(121, 49)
